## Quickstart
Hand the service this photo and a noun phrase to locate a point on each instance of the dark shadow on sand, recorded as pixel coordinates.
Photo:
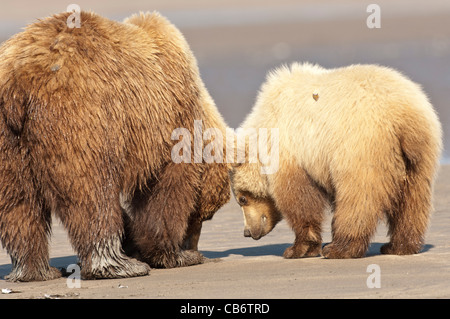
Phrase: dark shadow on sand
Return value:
(266, 250)
(374, 249)
(274, 249)
(278, 250)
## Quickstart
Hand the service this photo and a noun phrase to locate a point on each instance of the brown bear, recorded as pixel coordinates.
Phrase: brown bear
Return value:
(363, 140)
(86, 123)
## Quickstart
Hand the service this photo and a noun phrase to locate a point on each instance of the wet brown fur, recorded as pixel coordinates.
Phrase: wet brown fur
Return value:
(86, 116)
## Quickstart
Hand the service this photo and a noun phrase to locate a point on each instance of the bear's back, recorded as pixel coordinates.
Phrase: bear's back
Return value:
(309, 90)
(107, 89)
(340, 117)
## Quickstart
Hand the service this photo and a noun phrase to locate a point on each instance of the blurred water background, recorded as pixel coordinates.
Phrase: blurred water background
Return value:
(237, 41)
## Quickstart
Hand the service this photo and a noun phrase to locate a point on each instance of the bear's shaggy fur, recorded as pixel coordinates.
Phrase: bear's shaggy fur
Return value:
(86, 116)
(363, 140)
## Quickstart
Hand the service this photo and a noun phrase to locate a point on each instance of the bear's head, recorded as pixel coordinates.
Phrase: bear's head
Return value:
(250, 191)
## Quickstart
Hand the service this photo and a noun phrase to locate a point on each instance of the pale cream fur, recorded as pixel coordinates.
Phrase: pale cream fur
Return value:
(353, 125)
(365, 135)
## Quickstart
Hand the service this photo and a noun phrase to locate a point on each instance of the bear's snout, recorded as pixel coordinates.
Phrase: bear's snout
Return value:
(256, 231)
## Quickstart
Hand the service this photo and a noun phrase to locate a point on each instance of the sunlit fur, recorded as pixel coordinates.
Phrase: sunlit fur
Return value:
(86, 116)
(260, 215)
(363, 140)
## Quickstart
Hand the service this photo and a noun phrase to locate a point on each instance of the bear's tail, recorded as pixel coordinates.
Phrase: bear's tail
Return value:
(421, 143)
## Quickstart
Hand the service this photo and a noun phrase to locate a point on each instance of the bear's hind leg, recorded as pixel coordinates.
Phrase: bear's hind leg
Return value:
(302, 204)
(95, 228)
(24, 221)
(161, 214)
(24, 231)
(409, 220)
(359, 205)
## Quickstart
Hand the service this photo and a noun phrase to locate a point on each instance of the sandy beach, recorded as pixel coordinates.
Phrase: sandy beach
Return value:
(236, 43)
(240, 267)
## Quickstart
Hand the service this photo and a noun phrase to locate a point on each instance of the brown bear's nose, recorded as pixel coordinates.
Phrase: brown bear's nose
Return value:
(247, 233)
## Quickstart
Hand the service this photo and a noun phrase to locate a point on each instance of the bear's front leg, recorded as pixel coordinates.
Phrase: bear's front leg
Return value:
(302, 204)
(192, 237)
(161, 214)
(214, 192)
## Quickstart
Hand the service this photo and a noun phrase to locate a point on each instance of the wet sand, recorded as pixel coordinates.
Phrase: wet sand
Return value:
(234, 58)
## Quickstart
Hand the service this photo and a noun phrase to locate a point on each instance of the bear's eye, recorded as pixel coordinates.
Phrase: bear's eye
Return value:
(243, 200)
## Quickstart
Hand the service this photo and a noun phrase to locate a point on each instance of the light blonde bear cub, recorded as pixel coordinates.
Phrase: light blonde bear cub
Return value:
(363, 140)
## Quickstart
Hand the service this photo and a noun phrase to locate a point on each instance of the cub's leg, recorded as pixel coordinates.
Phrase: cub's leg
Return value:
(360, 201)
(408, 221)
(302, 204)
